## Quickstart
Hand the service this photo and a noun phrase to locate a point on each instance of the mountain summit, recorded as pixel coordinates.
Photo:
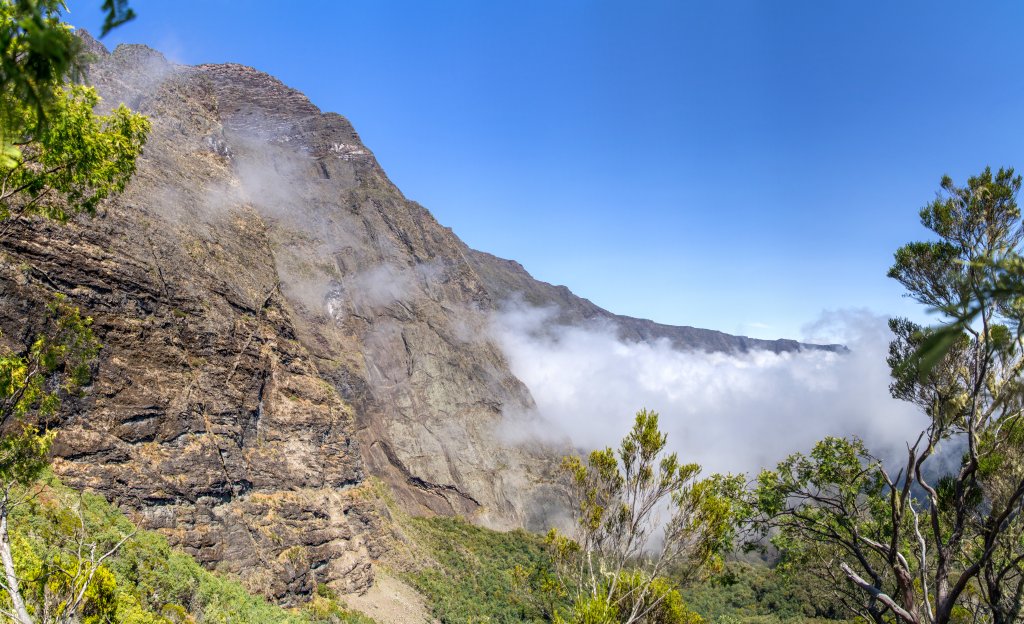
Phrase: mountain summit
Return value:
(279, 323)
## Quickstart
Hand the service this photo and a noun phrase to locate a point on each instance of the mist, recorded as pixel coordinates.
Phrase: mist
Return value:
(728, 412)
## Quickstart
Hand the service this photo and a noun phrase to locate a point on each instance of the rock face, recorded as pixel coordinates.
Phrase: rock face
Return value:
(278, 322)
(208, 416)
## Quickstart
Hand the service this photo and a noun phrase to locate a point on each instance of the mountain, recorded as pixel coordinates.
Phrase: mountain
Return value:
(279, 323)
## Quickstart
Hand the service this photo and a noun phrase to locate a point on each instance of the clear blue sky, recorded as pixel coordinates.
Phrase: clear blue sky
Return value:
(734, 165)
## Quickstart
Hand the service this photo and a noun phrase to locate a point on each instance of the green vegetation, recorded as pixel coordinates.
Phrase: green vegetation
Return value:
(144, 582)
(55, 364)
(38, 52)
(71, 163)
(53, 149)
(754, 593)
(931, 541)
(474, 574)
(614, 564)
(32, 385)
(612, 571)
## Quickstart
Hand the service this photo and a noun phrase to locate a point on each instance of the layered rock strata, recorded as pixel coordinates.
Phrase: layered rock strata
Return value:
(279, 322)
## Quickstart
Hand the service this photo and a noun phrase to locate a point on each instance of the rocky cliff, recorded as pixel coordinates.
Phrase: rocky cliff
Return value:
(279, 322)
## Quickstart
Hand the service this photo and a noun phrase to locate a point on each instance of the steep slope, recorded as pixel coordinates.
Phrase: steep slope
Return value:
(275, 316)
(144, 581)
(278, 321)
(207, 416)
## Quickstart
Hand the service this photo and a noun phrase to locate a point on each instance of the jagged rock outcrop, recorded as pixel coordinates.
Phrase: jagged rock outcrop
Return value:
(278, 322)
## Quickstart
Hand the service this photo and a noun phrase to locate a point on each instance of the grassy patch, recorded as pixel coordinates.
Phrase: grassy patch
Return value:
(466, 574)
(470, 574)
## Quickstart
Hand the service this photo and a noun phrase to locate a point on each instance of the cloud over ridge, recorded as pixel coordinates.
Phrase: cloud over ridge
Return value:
(729, 412)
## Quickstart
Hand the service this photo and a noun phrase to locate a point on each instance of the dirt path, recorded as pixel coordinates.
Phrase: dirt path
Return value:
(390, 601)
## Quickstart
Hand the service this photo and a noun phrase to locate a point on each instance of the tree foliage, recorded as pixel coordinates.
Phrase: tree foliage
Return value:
(755, 592)
(638, 512)
(54, 364)
(32, 386)
(57, 158)
(939, 538)
(73, 162)
(39, 54)
(478, 575)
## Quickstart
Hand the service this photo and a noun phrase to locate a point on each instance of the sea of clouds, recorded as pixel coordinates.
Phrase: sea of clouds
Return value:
(728, 412)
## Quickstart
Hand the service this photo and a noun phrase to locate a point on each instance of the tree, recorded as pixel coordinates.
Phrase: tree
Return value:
(71, 163)
(637, 513)
(941, 539)
(38, 54)
(32, 386)
(57, 158)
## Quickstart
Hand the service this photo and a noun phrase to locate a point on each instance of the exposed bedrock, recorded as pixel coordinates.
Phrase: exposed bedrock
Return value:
(279, 322)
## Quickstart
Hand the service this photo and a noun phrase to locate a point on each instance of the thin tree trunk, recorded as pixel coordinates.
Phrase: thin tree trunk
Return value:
(13, 588)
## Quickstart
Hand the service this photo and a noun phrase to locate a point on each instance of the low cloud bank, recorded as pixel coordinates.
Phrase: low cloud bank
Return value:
(729, 412)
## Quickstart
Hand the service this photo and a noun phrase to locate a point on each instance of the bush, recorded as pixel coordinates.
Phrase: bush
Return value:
(473, 576)
(146, 581)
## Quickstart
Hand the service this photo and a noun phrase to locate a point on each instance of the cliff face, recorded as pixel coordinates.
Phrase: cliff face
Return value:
(208, 417)
(278, 322)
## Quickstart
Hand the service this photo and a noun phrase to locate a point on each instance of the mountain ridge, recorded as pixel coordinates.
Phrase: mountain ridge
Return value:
(511, 276)
(279, 323)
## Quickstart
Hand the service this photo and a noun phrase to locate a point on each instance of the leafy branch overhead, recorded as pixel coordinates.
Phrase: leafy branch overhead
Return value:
(116, 13)
(974, 266)
(38, 50)
(73, 162)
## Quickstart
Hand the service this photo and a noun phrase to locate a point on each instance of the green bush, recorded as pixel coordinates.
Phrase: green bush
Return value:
(754, 593)
(146, 581)
(473, 577)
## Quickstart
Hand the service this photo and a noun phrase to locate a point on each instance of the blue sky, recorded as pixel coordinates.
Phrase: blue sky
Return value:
(738, 165)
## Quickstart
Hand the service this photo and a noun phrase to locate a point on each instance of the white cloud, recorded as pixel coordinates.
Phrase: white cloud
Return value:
(729, 412)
